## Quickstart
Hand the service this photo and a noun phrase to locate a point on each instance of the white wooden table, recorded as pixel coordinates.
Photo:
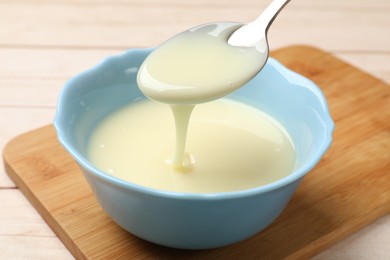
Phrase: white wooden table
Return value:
(43, 43)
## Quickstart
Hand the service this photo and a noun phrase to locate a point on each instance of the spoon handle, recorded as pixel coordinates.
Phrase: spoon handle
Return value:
(265, 20)
(255, 33)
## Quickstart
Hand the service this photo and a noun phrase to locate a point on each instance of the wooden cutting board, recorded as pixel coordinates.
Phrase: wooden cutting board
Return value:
(348, 189)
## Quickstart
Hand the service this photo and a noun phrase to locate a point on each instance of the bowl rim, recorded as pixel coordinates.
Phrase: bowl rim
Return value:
(291, 178)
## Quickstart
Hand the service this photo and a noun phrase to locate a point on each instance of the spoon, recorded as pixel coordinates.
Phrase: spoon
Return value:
(254, 34)
(203, 63)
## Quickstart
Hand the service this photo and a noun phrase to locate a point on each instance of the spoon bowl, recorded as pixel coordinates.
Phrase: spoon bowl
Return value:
(197, 66)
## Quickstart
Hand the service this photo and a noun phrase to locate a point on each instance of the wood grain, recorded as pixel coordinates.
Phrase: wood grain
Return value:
(347, 190)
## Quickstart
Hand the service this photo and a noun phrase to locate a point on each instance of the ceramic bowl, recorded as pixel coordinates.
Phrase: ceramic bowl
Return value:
(184, 220)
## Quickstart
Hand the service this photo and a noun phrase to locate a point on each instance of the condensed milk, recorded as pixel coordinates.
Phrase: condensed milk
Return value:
(216, 146)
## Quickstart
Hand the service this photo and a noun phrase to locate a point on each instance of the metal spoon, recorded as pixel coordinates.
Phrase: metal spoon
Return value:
(254, 34)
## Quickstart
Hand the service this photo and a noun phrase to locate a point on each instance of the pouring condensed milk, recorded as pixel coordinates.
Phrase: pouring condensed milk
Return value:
(231, 146)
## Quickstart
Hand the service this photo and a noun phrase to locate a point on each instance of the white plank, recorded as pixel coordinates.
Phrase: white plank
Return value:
(19, 218)
(26, 63)
(18, 120)
(203, 3)
(5, 181)
(32, 248)
(23, 233)
(30, 92)
(146, 24)
(376, 64)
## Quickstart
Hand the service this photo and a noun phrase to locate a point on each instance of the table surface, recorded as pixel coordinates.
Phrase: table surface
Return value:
(43, 43)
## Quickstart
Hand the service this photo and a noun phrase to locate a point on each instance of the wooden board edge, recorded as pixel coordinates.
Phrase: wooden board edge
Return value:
(39, 207)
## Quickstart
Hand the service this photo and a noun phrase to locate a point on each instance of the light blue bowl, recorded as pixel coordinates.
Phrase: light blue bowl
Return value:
(184, 220)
